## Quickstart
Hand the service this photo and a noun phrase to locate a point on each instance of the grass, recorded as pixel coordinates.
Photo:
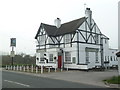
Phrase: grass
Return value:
(113, 80)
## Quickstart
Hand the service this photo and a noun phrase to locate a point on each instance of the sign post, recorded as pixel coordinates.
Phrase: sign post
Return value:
(12, 44)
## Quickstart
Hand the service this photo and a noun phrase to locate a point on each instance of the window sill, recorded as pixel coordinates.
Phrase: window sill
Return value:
(42, 62)
(87, 62)
(67, 62)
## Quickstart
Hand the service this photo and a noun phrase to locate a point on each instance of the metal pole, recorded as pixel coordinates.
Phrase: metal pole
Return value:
(12, 57)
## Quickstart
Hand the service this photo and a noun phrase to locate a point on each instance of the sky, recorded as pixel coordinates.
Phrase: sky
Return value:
(21, 19)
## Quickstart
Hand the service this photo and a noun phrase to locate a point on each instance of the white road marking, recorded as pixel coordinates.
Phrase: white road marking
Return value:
(17, 83)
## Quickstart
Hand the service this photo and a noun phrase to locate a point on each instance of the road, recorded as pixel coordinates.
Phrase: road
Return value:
(19, 80)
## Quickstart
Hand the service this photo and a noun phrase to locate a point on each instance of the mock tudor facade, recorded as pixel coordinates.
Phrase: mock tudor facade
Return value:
(78, 44)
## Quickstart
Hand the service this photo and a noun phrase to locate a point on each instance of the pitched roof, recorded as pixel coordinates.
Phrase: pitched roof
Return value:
(66, 28)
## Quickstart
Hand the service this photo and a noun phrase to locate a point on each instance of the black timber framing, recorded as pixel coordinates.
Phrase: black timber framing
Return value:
(78, 47)
(69, 43)
(45, 42)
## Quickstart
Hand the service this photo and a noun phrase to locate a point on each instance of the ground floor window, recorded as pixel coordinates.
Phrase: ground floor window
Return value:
(105, 58)
(67, 56)
(96, 56)
(41, 57)
(87, 57)
(73, 59)
(111, 58)
(50, 57)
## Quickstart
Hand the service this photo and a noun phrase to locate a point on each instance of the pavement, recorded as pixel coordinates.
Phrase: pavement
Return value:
(90, 78)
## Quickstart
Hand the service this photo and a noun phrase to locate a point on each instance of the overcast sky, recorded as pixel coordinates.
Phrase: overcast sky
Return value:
(21, 19)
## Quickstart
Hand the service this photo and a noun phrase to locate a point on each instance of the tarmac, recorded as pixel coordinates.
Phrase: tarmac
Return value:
(90, 78)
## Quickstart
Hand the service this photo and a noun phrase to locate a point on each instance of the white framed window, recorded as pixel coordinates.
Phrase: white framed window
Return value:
(50, 57)
(87, 57)
(67, 38)
(105, 41)
(41, 57)
(111, 58)
(74, 60)
(96, 56)
(108, 58)
(114, 58)
(67, 56)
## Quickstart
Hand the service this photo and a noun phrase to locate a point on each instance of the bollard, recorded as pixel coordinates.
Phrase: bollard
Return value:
(41, 69)
(67, 68)
(24, 68)
(14, 68)
(48, 69)
(36, 69)
(32, 68)
(61, 69)
(17, 67)
(11, 68)
(20, 68)
(27, 68)
(6, 67)
(55, 69)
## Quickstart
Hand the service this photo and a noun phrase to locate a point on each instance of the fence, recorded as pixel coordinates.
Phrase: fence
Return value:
(33, 69)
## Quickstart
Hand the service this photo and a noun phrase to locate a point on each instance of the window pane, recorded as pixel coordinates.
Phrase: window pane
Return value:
(67, 38)
(41, 57)
(87, 57)
(67, 56)
(51, 57)
(73, 60)
(96, 56)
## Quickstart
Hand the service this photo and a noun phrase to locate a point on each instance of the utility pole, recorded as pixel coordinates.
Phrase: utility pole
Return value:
(12, 44)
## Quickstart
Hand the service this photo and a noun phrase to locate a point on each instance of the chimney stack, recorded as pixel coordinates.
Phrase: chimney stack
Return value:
(57, 22)
(88, 14)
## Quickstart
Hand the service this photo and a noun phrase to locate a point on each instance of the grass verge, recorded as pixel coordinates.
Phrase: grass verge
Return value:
(113, 80)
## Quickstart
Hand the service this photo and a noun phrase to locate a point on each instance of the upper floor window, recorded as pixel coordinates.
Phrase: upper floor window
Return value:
(105, 41)
(42, 40)
(97, 38)
(67, 38)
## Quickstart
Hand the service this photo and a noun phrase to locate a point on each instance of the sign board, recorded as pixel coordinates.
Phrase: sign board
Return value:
(13, 42)
(12, 54)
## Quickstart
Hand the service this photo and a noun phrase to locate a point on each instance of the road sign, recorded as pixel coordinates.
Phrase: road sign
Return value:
(13, 42)
(12, 54)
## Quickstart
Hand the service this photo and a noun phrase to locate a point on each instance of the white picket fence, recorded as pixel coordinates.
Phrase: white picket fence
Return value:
(31, 68)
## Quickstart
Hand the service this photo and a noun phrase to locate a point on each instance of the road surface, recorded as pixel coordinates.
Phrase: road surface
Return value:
(19, 80)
